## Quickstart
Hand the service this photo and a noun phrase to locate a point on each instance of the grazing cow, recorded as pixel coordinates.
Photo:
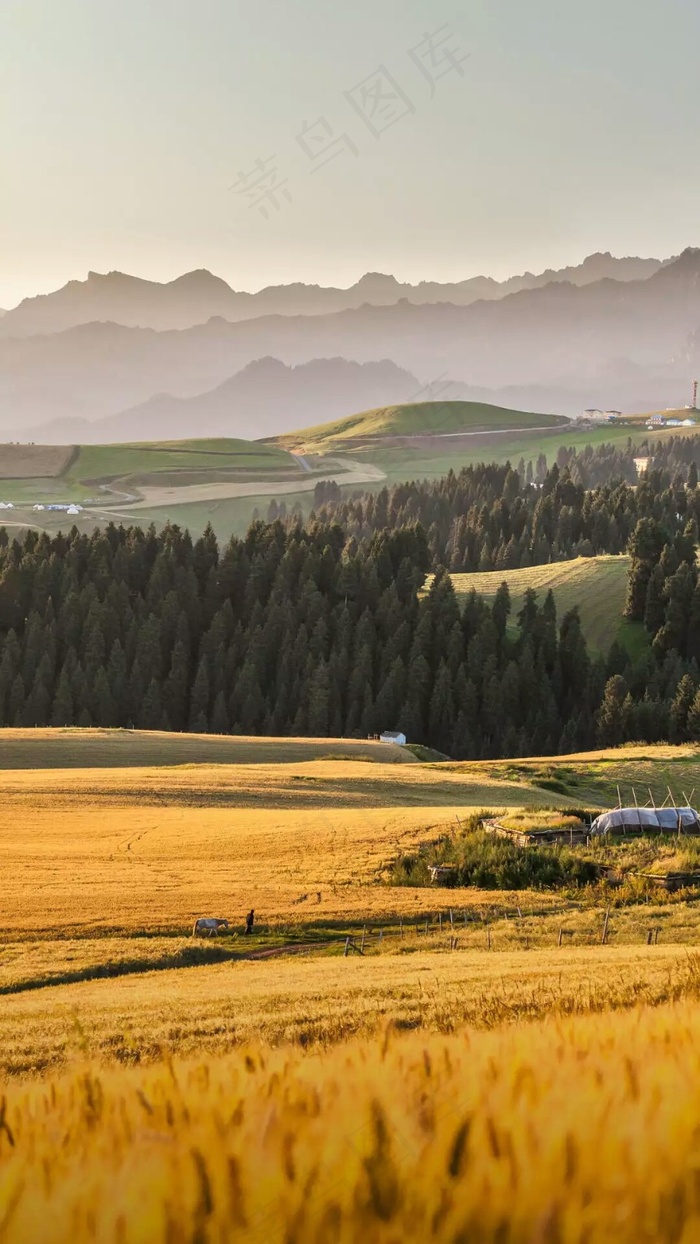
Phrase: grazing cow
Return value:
(208, 926)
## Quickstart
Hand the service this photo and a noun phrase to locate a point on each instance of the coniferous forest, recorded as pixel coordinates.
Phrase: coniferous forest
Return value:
(491, 517)
(323, 628)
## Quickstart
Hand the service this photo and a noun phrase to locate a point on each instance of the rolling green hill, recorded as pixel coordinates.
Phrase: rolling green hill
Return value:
(597, 585)
(102, 461)
(74, 473)
(420, 420)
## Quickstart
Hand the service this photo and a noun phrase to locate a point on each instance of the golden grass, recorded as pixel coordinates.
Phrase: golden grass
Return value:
(582, 1131)
(324, 1000)
(128, 849)
(74, 747)
(305, 1113)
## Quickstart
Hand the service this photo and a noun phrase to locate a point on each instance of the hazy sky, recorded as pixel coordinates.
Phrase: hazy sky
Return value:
(571, 127)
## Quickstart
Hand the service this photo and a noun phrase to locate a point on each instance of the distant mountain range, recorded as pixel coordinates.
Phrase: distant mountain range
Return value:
(559, 348)
(197, 296)
(265, 399)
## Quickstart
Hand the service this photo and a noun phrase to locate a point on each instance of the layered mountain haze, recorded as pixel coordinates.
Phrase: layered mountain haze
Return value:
(197, 296)
(560, 348)
(265, 399)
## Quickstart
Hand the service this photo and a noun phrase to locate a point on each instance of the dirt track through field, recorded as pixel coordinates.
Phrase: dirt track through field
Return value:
(152, 497)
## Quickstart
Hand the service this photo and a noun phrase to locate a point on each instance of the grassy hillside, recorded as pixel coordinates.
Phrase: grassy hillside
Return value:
(80, 473)
(426, 458)
(35, 461)
(104, 461)
(596, 585)
(228, 482)
(419, 419)
(75, 748)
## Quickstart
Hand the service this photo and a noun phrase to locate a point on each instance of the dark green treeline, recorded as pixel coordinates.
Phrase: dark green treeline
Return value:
(288, 631)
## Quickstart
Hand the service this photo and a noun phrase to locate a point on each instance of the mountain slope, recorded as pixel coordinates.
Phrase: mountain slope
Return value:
(197, 296)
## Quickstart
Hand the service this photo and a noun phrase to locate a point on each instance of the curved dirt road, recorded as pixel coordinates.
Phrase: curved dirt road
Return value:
(154, 497)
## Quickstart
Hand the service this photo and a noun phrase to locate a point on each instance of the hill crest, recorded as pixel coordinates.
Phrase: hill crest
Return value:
(415, 420)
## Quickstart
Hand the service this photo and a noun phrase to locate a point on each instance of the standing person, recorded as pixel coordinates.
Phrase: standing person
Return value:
(249, 920)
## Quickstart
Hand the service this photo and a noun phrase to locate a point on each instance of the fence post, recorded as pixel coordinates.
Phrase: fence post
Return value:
(561, 937)
(401, 925)
(605, 927)
(440, 921)
(362, 946)
(426, 928)
(452, 918)
(347, 948)
(488, 936)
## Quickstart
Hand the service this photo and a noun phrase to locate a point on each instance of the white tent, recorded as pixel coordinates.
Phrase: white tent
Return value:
(657, 820)
(74, 509)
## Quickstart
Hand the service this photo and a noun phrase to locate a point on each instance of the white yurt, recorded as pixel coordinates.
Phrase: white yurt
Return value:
(655, 820)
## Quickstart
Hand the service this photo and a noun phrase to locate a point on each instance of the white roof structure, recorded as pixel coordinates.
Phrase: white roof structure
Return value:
(392, 736)
(74, 509)
(658, 820)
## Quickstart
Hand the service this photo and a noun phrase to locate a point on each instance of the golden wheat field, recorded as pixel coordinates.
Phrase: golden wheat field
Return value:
(321, 1000)
(577, 1131)
(149, 849)
(156, 1087)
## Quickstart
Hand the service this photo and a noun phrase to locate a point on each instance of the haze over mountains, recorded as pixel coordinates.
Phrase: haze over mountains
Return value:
(562, 346)
(267, 397)
(197, 296)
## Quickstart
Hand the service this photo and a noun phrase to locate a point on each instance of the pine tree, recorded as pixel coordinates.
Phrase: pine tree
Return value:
(219, 717)
(610, 719)
(645, 548)
(102, 702)
(63, 710)
(681, 706)
(151, 708)
(319, 701)
(199, 700)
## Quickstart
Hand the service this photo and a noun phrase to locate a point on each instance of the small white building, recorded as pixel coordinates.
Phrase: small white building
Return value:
(393, 736)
